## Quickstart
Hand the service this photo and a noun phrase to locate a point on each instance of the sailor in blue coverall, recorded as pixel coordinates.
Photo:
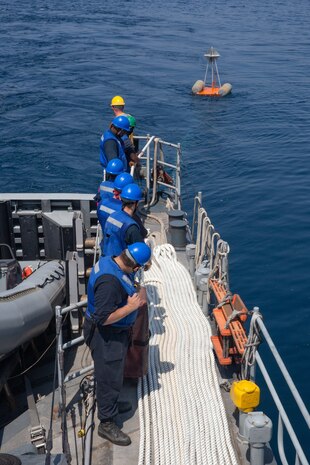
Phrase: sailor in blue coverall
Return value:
(111, 203)
(111, 143)
(108, 205)
(111, 312)
(113, 169)
(124, 227)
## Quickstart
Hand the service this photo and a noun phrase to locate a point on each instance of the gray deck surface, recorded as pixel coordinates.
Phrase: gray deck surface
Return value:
(103, 452)
(16, 433)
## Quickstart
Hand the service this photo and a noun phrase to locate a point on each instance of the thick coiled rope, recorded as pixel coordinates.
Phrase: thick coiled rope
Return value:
(182, 416)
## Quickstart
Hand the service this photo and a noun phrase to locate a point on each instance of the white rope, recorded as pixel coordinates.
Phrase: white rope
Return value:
(254, 339)
(205, 237)
(98, 230)
(180, 397)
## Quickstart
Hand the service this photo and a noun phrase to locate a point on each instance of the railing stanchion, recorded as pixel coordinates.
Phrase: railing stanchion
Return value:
(283, 415)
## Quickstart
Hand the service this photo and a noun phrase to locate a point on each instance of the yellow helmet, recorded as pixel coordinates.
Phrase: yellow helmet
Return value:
(117, 100)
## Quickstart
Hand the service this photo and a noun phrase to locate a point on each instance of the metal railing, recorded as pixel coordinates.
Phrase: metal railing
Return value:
(152, 155)
(283, 419)
(207, 242)
(62, 379)
(206, 238)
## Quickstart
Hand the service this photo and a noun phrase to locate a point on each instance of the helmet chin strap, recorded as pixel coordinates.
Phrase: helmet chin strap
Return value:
(128, 254)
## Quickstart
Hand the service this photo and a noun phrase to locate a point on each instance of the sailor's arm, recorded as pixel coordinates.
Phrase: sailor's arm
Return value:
(111, 149)
(108, 295)
(133, 303)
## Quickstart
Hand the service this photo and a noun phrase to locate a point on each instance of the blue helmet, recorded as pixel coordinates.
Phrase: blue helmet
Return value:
(140, 252)
(121, 122)
(115, 166)
(122, 180)
(132, 192)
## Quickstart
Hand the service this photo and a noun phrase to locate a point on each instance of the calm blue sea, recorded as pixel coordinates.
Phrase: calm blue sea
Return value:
(62, 61)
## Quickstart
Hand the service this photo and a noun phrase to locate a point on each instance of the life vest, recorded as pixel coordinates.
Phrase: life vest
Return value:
(106, 189)
(129, 148)
(106, 207)
(106, 265)
(115, 231)
(129, 138)
(108, 135)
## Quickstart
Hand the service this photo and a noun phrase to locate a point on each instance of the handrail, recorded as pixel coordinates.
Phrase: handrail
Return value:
(250, 358)
(142, 152)
(284, 418)
(83, 303)
(205, 238)
(209, 245)
(197, 204)
(154, 174)
(284, 372)
(152, 153)
(62, 380)
(8, 247)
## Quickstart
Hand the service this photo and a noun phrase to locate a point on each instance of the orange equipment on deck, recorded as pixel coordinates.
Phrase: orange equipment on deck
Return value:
(27, 271)
(229, 343)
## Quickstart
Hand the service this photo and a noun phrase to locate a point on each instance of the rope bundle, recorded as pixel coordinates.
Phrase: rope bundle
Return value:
(182, 416)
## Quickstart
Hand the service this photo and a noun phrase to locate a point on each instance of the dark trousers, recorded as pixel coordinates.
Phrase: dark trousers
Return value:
(108, 347)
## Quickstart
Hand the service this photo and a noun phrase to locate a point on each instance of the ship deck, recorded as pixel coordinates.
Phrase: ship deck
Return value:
(16, 432)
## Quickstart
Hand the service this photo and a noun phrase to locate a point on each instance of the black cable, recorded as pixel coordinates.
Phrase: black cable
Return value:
(84, 388)
(41, 356)
(37, 361)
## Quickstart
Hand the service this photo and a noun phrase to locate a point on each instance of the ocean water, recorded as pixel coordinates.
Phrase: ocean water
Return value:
(62, 61)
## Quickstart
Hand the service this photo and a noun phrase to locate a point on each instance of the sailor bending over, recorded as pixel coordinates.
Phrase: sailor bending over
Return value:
(111, 143)
(112, 310)
(110, 204)
(113, 169)
(124, 227)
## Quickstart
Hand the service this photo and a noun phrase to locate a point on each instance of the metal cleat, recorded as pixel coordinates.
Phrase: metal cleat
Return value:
(258, 432)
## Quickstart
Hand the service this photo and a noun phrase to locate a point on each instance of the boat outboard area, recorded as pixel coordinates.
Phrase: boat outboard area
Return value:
(190, 371)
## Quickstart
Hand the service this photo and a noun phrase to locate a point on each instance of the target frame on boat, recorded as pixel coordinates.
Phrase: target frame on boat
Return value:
(214, 88)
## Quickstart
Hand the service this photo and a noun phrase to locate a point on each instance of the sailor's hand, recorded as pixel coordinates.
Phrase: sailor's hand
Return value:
(148, 265)
(134, 302)
(134, 158)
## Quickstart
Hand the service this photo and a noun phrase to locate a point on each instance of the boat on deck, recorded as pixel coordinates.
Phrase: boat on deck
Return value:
(197, 402)
(27, 308)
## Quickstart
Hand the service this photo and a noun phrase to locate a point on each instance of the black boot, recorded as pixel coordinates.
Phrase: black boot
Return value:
(124, 406)
(109, 430)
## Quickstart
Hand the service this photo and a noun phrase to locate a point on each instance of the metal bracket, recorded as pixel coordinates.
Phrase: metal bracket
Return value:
(72, 258)
(38, 438)
(37, 431)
